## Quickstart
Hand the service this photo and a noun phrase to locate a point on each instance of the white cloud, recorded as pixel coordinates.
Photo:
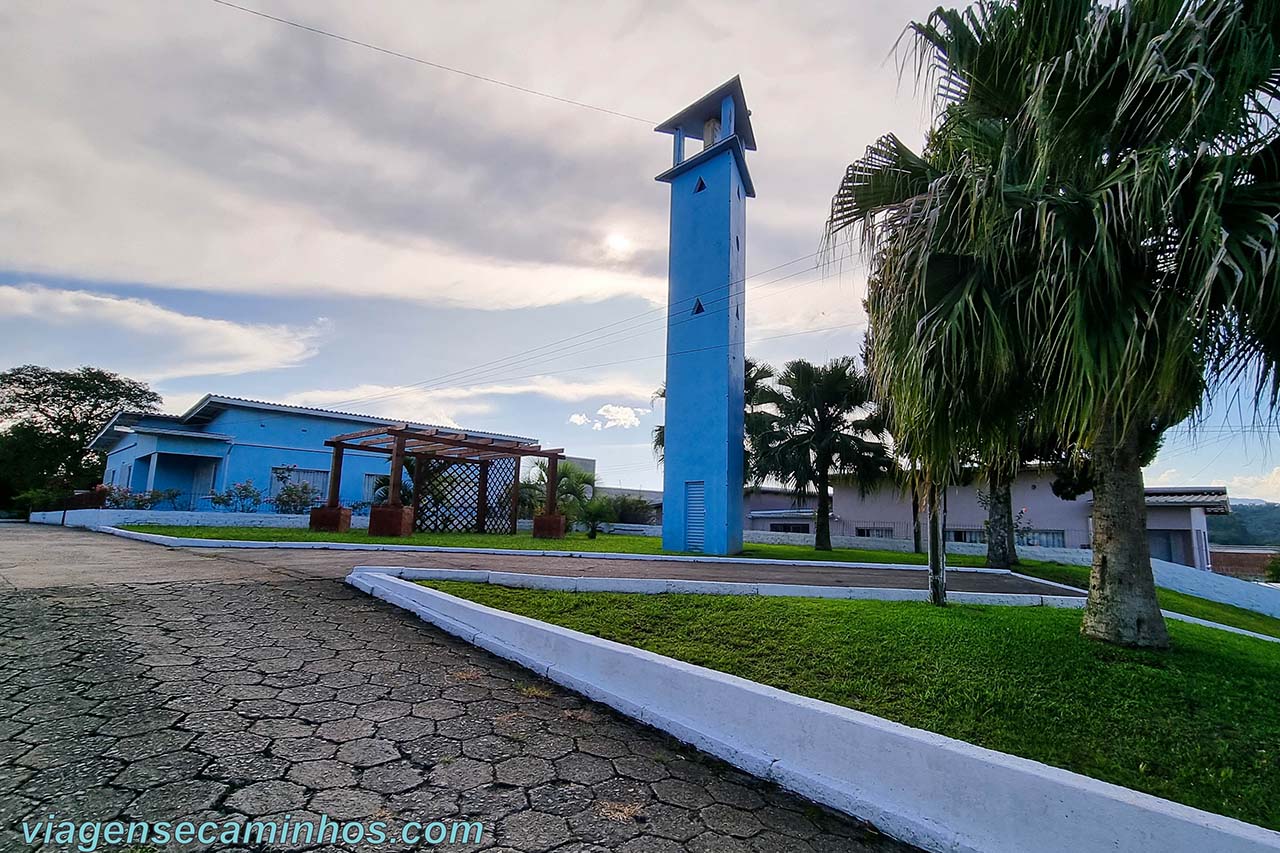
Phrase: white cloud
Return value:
(1265, 486)
(140, 338)
(445, 405)
(1167, 477)
(625, 417)
(610, 415)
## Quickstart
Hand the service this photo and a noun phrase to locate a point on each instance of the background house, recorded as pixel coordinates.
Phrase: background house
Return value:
(1176, 517)
(221, 441)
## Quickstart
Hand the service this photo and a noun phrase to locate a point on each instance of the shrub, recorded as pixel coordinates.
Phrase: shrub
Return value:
(595, 512)
(633, 509)
(241, 497)
(1273, 569)
(296, 498)
(41, 499)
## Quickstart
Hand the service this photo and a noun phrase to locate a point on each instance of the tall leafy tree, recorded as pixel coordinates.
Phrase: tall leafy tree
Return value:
(823, 422)
(1094, 214)
(47, 419)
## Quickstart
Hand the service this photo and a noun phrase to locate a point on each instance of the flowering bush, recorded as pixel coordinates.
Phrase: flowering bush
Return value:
(120, 497)
(296, 498)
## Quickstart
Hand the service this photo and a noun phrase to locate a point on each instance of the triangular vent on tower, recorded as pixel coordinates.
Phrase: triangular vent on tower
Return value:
(702, 185)
(697, 307)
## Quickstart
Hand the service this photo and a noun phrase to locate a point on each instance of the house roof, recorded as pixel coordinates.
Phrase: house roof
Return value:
(125, 421)
(1213, 499)
(211, 405)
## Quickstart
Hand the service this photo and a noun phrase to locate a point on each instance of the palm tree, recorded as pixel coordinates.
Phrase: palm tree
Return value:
(824, 420)
(1095, 214)
(574, 485)
(755, 379)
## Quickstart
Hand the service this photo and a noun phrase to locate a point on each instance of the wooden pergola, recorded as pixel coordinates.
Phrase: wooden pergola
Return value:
(403, 441)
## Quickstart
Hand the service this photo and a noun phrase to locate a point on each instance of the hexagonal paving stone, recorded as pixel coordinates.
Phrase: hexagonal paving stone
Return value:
(341, 731)
(561, 798)
(176, 800)
(525, 771)
(532, 831)
(461, 774)
(346, 803)
(303, 748)
(262, 798)
(393, 778)
(730, 821)
(167, 767)
(321, 774)
(366, 752)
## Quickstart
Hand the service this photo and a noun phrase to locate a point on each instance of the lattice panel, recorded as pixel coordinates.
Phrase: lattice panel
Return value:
(447, 495)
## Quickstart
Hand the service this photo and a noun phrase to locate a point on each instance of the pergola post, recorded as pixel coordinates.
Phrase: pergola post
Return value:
(482, 496)
(397, 466)
(551, 524)
(393, 519)
(335, 476)
(553, 475)
(332, 517)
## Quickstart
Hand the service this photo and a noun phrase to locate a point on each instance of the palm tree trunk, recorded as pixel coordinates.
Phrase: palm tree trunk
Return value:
(916, 545)
(822, 521)
(937, 549)
(1000, 544)
(1122, 606)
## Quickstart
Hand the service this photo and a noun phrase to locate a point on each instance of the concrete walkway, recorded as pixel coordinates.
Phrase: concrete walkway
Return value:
(71, 555)
(148, 683)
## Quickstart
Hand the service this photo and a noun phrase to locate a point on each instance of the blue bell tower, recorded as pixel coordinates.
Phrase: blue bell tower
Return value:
(703, 477)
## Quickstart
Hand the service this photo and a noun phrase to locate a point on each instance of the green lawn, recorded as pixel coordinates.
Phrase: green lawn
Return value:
(1177, 602)
(1196, 724)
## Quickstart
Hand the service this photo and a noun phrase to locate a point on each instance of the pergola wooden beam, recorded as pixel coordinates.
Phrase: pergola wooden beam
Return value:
(364, 433)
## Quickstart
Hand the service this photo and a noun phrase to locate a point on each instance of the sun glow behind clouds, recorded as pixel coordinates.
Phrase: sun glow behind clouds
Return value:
(619, 245)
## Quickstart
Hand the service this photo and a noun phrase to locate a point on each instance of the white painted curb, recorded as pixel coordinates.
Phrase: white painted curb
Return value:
(658, 586)
(192, 542)
(936, 792)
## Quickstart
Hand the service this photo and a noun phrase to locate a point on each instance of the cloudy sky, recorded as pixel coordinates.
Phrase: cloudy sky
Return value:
(215, 202)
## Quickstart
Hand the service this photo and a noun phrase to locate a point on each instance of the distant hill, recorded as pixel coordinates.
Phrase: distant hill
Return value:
(1249, 524)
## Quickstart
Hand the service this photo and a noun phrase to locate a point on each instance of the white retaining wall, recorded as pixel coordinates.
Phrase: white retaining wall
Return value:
(1225, 589)
(116, 517)
(936, 792)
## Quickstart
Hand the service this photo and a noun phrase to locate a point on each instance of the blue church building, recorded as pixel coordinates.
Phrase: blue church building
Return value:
(221, 441)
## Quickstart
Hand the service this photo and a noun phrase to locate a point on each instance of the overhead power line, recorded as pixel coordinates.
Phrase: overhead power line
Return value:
(436, 65)
(543, 351)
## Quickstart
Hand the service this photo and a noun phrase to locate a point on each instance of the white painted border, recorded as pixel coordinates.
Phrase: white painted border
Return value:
(658, 586)
(192, 542)
(936, 792)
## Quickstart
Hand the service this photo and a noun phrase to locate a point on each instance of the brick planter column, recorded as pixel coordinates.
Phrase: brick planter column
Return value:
(390, 520)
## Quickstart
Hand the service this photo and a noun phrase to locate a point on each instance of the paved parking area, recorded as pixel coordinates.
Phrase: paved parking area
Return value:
(53, 555)
(248, 691)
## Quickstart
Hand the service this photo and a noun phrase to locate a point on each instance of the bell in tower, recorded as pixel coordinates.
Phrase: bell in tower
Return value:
(703, 456)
